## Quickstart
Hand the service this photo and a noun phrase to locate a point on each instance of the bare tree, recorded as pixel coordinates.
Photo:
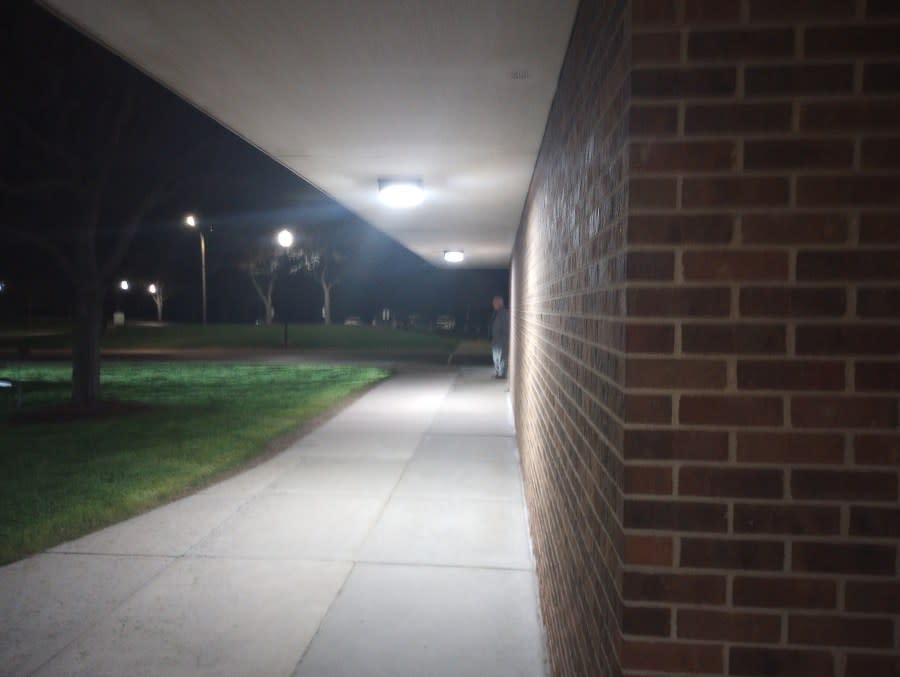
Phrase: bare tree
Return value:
(88, 171)
(158, 293)
(322, 259)
(262, 268)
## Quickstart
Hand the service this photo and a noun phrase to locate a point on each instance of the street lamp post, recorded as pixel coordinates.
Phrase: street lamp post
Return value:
(285, 240)
(191, 222)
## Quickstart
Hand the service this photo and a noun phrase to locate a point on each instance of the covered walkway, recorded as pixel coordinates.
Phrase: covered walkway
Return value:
(390, 541)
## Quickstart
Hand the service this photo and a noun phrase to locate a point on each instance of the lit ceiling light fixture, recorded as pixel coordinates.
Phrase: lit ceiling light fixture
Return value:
(401, 193)
(454, 255)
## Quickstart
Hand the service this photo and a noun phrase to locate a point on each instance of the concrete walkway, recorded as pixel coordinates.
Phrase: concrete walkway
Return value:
(390, 541)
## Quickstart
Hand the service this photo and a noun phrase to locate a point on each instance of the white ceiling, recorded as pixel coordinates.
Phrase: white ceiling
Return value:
(344, 92)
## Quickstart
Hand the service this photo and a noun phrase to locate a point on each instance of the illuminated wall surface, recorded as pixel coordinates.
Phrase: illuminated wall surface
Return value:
(706, 295)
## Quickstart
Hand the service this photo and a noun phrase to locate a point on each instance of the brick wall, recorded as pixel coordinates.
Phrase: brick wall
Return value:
(734, 359)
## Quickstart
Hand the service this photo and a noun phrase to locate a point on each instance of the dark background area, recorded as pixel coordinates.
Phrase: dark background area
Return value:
(62, 92)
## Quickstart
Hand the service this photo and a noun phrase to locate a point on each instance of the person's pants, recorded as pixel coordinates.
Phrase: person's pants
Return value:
(499, 354)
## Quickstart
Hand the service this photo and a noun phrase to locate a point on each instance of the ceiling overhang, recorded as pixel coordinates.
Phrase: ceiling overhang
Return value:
(344, 92)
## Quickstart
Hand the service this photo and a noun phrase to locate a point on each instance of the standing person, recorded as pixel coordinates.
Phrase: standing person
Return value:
(499, 337)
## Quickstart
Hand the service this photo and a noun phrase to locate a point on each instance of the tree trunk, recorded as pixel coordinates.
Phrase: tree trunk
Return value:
(159, 307)
(86, 345)
(270, 310)
(326, 302)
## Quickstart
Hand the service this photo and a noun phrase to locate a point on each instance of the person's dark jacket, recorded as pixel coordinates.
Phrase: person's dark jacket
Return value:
(500, 328)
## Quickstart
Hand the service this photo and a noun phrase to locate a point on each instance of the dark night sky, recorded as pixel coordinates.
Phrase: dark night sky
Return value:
(64, 88)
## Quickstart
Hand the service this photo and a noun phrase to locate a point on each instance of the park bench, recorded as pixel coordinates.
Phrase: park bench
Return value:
(14, 386)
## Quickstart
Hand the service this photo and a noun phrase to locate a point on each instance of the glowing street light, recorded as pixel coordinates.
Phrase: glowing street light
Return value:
(151, 289)
(285, 239)
(191, 222)
(124, 286)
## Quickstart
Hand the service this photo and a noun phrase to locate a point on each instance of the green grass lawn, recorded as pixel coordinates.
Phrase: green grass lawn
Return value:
(300, 336)
(62, 480)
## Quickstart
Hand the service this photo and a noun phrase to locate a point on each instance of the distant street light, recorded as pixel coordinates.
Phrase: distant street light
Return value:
(191, 222)
(285, 239)
(124, 286)
(2, 286)
(152, 289)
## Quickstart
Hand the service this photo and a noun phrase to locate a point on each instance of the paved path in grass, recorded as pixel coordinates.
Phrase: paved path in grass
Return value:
(390, 541)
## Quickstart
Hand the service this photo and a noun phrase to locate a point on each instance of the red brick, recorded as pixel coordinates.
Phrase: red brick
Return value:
(870, 40)
(856, 190)
(784, 593)
(790, 448)
(878, 449)
(755, 518)
(881, 78)
(708, 553)
(734, 192)
(643, 620)
(806, 10)
(671, 657)
(793, 302)
(879, 227)
(651, 193)
(732, 118)
(652, 120)
(646, 479)
(675, 515)
(665, 83)
(731, 265)
(769, 339)
(649, 265)
(648, 408)
(875, 523)
(674, 588)
(868, 339)
(796, 80)
(792, 228)
(883, 376)
(872, 665)
(712, 11)
(848, 265)
(734, 45)
(675, 373)
(679, 229)
(798, 154)
(655, 47)
(729, 627)
(731, 410)
(839, 558)
(881, 153)
(872, 597)
(726, 626)
(745, 482)
(649, 338)
(843, 485)
(850, 115)
(643, 550)
(844, 412)
(879, 302)
(681, 156)
(873, 633)
(675, 445)
(786, 662)
(677, 302)
(790, 375)
(654, 12)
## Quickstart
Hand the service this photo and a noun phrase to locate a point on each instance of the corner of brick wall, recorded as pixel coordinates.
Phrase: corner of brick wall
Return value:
(706, 380)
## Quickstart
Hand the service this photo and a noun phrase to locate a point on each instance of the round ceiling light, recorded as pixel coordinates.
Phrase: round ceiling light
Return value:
(401, 193)
(454, 256)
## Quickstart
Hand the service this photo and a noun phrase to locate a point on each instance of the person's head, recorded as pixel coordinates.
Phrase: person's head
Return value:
(497, 302)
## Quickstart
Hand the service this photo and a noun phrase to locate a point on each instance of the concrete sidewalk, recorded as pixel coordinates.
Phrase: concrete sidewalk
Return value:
(390, 541)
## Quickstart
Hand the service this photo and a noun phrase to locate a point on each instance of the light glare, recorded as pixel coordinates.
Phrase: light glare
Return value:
(454, 256)
(285, 238)
(190, 221)
(401, 194)
(123, 285)
(152, 289)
